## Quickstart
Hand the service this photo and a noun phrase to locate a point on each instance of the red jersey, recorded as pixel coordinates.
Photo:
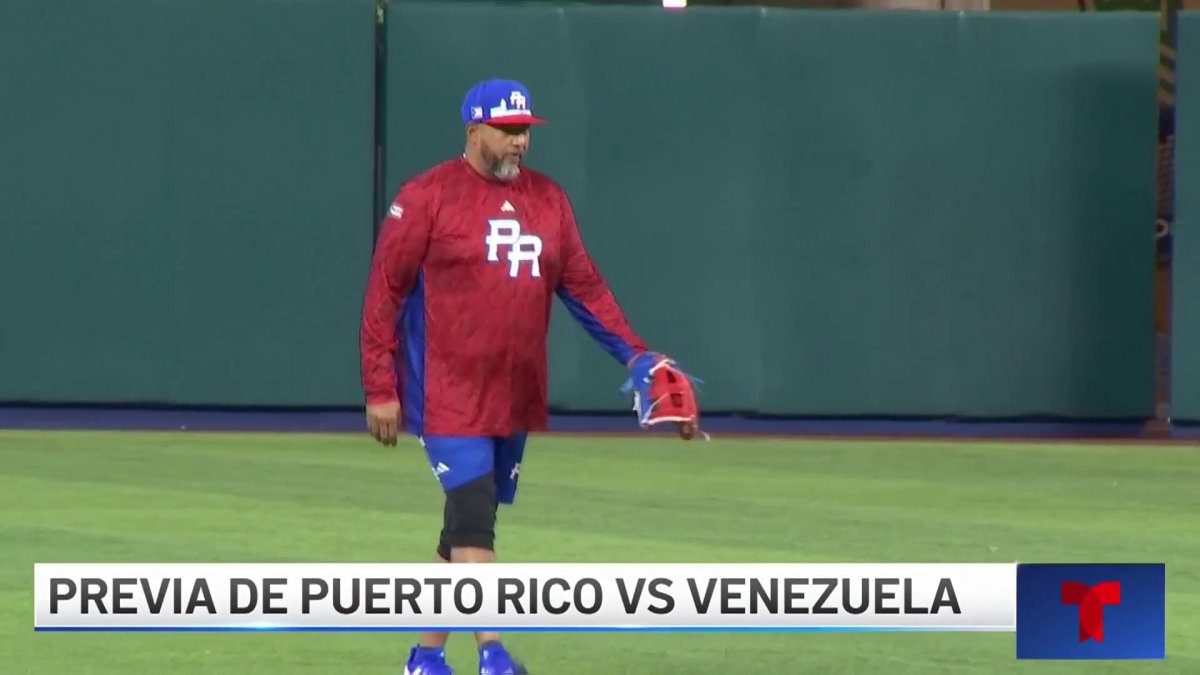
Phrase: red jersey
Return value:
(457, 307)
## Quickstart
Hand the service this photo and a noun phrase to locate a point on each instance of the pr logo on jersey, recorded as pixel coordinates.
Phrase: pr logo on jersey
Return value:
(505, 235)
(1091, 611)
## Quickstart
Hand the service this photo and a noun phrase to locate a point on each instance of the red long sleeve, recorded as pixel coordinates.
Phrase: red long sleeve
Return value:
(399, 254)
(457, 308)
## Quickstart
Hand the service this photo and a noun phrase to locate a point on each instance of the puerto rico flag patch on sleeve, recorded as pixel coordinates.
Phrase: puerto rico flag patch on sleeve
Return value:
(1091, 611)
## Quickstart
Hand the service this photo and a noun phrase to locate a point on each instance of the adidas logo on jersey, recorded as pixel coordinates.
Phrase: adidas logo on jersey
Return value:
(508, 207)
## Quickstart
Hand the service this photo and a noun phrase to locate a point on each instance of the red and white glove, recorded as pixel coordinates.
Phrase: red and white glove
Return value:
(663, 392)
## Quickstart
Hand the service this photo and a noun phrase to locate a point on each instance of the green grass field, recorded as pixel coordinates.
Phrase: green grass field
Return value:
(192, 497)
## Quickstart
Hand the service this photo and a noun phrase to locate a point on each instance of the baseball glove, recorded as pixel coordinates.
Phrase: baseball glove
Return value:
(663, 392)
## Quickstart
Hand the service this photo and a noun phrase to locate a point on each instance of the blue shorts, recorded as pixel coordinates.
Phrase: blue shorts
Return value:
(458, 460)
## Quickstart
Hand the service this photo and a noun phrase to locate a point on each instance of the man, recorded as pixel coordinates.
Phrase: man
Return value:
(454, 331)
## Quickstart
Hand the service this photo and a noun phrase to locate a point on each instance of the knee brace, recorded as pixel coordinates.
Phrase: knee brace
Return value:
(470, 516)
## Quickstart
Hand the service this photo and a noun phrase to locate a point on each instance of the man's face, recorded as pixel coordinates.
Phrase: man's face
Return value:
(502, 148)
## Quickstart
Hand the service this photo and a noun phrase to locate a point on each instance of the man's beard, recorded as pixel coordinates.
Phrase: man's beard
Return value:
(500, 168)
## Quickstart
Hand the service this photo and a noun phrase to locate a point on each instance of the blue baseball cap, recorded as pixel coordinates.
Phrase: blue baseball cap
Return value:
(499, 103)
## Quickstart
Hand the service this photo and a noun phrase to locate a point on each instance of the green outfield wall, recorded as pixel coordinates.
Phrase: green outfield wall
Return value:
(186, 206)
(833, 213)
(1186, 260)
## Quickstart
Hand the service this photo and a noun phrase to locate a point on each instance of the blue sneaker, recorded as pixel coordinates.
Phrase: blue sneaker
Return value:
(494, 659)
(427, 661)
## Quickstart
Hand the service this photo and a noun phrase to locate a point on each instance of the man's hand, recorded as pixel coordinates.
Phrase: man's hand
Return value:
(687, 430)
(383, 419)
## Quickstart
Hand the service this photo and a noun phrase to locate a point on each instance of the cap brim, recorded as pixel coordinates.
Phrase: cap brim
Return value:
(515, 120)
